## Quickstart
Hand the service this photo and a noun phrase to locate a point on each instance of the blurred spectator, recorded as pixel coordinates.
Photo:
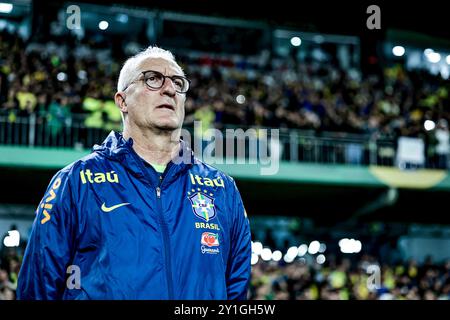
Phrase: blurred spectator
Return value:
(7, 289)
(443, 144)
(347, 280)
(233, 91)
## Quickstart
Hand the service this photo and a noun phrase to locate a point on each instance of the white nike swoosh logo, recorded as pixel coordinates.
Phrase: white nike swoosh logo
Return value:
(109, 209)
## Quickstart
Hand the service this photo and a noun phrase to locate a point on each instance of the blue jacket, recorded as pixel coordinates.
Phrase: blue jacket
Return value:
(108, 227)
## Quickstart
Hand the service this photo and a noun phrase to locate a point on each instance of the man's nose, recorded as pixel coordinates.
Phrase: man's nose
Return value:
(168, 87)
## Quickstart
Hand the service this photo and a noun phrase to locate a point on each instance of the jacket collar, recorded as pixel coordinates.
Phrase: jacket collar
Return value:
(117, 148)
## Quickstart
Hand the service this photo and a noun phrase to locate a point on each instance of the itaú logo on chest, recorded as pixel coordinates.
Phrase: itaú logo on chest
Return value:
(98, 177)
(210, 239)
(197, 180)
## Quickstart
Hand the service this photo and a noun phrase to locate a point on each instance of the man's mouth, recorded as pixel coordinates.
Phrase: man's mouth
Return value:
(166, 106)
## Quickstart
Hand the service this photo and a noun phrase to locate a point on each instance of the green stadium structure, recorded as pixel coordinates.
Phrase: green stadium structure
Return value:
(328, 193)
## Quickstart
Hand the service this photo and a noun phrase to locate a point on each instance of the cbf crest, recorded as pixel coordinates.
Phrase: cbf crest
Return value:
(202, 205)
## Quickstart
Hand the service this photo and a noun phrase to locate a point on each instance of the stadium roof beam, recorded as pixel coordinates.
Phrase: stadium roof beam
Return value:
(193, 18)
(309, 36)
(417, 39)
(16, 211)
(115, 9)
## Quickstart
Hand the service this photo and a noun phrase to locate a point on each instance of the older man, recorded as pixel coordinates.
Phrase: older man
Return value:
(140, 217)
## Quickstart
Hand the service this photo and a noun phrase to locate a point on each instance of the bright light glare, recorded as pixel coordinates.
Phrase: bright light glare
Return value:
(12, 239)
(288, 259)
(434, 57)
(302, 249)
(266, 254)
(314, 247)
(292, 252)
(6, 7)
(296, 41)
(257, 247)
(322, 247)
(254, 259)
(240, 99)
(350, 245)
(429, 125)
(277, 255)
(61, 76)
(320, 259)
(103, 25)
(427, 52)
(398, 51)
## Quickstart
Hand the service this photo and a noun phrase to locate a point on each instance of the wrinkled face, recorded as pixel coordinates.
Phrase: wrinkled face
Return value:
(145, 107)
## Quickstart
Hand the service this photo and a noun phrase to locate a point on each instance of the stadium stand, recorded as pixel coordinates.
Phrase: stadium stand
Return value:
(44, 81)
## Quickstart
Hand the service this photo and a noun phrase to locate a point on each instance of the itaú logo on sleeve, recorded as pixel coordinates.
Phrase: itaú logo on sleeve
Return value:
(210, 239)
(98, 177)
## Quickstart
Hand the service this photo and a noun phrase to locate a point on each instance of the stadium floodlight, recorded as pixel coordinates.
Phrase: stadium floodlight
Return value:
(427, 52)
(314, 247)
(357, 247)
(257, 247)
(277, 255)
(12, 239)
(342, 241)
(103, 25)
(398, 51)
(434, 57)
(429, 125)
(288, 259)
(6, 7)
(296, 41)
(266, 254)
(292, 252)
(320, 259)
(302, 250)
(254, 259)
(350, 245)
(448, 59)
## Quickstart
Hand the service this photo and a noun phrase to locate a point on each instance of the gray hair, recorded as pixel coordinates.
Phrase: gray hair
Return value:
(129, 70)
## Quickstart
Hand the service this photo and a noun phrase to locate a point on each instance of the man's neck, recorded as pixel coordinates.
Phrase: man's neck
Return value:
(154, 146)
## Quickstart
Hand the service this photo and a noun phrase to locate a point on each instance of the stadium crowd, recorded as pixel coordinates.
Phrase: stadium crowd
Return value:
(337, 279)
(350, 279)
(60, 81)
(10, 261)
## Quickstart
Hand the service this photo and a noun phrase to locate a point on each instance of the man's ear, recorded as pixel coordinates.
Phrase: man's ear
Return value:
(119, 98)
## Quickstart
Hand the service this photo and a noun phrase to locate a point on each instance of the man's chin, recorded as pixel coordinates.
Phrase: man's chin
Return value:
(167, 126)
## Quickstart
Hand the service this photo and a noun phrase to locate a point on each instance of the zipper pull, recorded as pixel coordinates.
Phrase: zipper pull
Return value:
(158, 192)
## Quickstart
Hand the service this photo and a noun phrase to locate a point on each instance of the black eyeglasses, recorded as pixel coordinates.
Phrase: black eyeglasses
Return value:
(155, 80)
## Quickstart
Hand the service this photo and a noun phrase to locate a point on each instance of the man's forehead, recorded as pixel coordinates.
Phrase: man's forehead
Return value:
(167, 67)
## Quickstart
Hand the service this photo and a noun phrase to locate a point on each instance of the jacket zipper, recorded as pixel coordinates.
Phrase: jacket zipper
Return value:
(164, 228)
(165, 232)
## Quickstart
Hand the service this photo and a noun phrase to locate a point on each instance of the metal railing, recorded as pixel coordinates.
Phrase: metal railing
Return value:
(38, 131)
(292, 145)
